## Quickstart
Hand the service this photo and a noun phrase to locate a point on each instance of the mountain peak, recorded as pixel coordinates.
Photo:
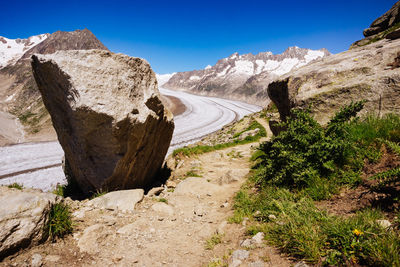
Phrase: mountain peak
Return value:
(229, 74)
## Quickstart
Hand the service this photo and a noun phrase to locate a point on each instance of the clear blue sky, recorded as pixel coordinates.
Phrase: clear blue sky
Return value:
(186, 35)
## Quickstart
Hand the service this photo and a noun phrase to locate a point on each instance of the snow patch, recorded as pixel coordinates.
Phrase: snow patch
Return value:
(194, 78)
(208, 67)
(244, 66)
(11, 50)
(313, 54)
(223, 72)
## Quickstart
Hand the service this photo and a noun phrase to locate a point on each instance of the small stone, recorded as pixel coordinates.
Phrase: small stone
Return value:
(79, 214)
(224, 205)
(199, 211)
(36, 260)
(245, 219)
(240, 254)
(271, 217)
(247, 243)
(235, 263)
(170, 184)
(163, 208)
(384, 223)
(221, 227)
(300, 264)
(155, 191)
(52, 258)
(257, 264)
(152, 230)
(258, 238)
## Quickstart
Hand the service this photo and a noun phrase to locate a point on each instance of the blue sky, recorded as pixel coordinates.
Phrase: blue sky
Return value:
(186, 35)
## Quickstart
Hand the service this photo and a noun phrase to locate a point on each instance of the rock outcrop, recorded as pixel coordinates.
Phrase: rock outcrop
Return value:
(23, 217)
(369, 73)
(107, 113)
(243, 77)
(386, 26)
(19, 94)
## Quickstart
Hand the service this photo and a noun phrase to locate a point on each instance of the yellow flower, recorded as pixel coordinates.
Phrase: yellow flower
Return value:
(357, 232)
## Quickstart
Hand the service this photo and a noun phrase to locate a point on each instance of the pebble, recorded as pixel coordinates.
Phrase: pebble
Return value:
(240, 254)
(36, 260)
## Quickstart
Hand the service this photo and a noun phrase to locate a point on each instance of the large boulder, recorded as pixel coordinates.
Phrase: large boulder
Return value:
(23, 217)
(384, 22)
(107, 113)
(369, 73)
(386, 26)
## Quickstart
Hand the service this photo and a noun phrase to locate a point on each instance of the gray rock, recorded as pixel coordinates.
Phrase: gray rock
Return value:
(247, 243)
(163, 208)
(89, 241)
(240, 254)
(300, 264)
(257, 264)
(258, 238)
(249, 133)
(124, 200)
(393, 35)
(384, 223)
(107, 113)
(23, 216)
(272, 217)
(36, 260)
(328, 84)
(235, 263)
(387, 20)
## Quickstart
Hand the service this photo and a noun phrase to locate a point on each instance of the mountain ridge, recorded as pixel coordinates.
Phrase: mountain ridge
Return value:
(233, 77)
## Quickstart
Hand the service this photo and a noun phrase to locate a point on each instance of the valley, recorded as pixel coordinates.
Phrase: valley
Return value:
(38, 165)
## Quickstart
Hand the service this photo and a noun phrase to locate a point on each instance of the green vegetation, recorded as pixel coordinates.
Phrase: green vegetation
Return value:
(200, 149)
(99, 193)
(307, 163)
(60, 222)
(16, 186)
(383, 34)
(192, 173)
(214, 240)
(164, 200)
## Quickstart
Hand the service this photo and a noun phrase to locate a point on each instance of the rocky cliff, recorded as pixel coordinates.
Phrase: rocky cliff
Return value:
(243, 77)
(386, 26)
(370, 72)
(19, 94)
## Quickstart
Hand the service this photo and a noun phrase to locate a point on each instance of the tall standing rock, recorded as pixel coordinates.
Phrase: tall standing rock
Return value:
(108, 116)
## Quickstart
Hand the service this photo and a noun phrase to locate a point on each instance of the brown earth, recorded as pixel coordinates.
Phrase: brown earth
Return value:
(175, 234)
(351, 200)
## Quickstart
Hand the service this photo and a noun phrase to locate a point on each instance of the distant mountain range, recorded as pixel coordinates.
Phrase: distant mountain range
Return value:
(19, 94)
(243, 77)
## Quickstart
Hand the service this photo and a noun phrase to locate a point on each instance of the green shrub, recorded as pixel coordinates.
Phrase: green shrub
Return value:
(16, 186)
(60, 222)
(306, 151)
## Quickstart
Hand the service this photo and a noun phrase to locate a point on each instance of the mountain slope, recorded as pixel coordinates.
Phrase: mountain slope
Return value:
(19, 94)
(243, 77)
(11, 50)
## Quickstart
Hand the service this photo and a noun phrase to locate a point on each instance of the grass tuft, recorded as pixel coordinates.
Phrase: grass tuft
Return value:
(60, 222)
(16, 186)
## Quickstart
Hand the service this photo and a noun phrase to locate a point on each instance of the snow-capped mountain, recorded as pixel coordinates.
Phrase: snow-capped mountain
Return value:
(13, 49)
(243, 77)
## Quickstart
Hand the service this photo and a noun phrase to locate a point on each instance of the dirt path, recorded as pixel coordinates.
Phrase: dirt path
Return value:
(171, 229)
